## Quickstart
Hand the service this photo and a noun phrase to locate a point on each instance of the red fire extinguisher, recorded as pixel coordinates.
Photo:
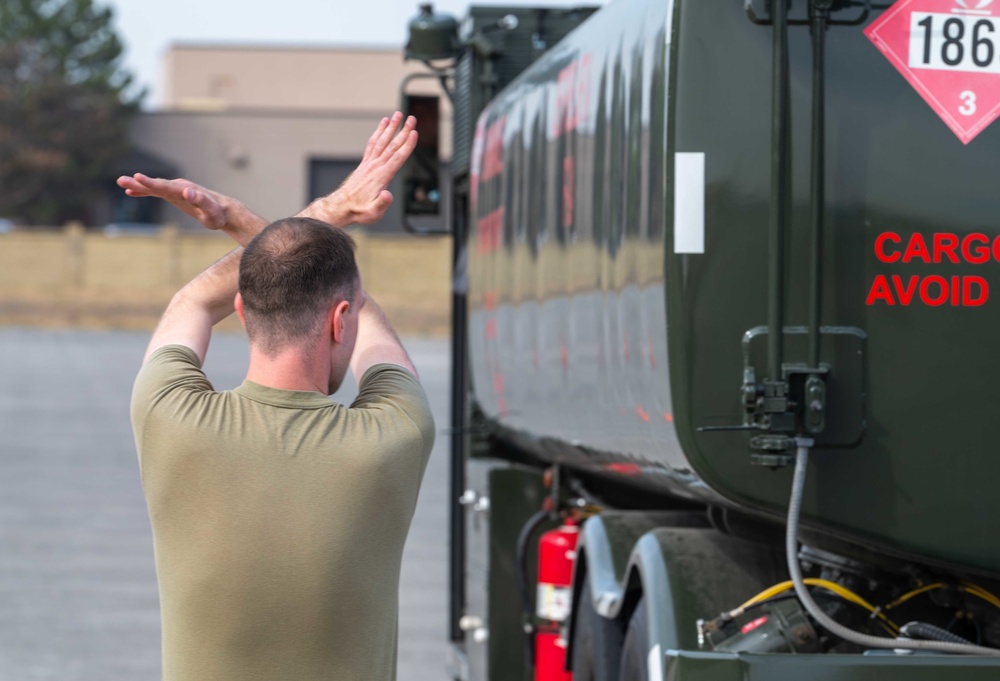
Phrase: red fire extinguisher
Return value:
(553, 603)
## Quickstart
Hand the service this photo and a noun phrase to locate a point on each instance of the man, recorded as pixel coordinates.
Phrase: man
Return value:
(278, 515)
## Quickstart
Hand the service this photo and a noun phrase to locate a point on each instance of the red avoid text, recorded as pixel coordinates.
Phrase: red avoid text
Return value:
(968, 291)
(933, 290)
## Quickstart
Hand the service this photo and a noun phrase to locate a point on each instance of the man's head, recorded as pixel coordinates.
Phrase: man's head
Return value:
(293, 276)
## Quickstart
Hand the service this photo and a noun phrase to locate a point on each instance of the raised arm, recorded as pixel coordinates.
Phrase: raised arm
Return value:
(377, 342)
(208, 298)
(213, 210)
(363, 198)
(203, 302)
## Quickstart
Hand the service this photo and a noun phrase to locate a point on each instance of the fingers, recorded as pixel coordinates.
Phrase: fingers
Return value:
(401, 137)
(375, 137)
(406, 147)
(209, 212)
(141, 185)
(387, 134)
(196, 201)
(131, 187)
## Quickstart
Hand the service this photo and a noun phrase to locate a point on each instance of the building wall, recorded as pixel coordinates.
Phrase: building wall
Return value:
(246, 120)
(301, 78)
(261, 158)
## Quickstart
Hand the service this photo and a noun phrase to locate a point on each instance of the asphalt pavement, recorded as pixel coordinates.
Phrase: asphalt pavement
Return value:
(78, 597)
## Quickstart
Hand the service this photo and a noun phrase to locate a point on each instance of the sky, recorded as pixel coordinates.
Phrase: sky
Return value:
(149, 28)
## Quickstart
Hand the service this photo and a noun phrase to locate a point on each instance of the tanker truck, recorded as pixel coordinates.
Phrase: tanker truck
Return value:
(726, 319)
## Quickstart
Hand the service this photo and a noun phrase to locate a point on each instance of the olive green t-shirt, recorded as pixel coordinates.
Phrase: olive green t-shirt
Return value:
(278, 519)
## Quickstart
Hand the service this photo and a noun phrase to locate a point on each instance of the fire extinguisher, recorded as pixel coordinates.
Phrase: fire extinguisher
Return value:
(553, 603)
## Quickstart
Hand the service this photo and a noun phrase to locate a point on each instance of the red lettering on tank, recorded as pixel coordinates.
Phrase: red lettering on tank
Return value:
(624, 468)
(976, 255)
(941, 298)
(477, 155)
(984, 291)
(880, 247)
(582, 99)
(493, 155)
(572, 96)
(880, 291)
(668, 417)
(905, 293)
(641, 413)
(934, 290)
(917, 248)
(944, 245)
(491, 328)
(568, 188)
(975, 248)
(490, 231)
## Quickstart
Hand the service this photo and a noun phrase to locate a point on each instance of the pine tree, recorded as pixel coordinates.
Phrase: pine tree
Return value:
(65, 108)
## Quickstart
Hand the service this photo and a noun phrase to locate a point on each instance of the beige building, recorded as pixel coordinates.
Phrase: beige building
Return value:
(274, 126)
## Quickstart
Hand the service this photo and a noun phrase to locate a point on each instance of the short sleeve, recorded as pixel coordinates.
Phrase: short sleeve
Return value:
(169, 369)
(391, 388)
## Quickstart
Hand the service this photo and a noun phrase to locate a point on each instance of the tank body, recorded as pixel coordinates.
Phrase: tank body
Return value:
(595, 337)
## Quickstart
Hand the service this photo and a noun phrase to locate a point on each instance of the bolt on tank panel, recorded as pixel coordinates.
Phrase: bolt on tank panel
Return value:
(568, 315)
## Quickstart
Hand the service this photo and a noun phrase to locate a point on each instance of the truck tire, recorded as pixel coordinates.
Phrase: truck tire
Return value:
(597, 642)
(635, 650)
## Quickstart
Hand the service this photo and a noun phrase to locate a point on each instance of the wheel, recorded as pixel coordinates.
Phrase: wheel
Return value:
(597, 642)
(635, 649)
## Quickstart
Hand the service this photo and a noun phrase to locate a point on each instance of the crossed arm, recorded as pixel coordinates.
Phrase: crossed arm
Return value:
(207, 299)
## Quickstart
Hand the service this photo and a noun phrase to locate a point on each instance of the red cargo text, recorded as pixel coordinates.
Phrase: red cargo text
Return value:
(933, 290)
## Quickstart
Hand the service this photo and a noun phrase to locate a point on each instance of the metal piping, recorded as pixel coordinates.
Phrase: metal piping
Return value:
(820, 17)
(459, 421)
(780, 129)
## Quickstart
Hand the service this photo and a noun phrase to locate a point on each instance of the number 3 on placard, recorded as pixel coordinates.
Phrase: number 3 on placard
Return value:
(968, 107)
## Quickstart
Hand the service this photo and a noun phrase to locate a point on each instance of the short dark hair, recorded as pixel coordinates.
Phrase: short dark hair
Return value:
(290, 275)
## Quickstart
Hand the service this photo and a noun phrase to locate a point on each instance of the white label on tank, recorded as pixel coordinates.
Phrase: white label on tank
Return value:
(689, 202)
(654, 663)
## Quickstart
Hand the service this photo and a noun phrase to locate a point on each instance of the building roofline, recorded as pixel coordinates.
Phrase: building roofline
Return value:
(265, 112)
(282, 47)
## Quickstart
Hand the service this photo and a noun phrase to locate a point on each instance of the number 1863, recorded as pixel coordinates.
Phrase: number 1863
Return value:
(952, 42)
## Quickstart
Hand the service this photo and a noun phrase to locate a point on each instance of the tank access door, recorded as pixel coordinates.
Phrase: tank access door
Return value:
(782, 399)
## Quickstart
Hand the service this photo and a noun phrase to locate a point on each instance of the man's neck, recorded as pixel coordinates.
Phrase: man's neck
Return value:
(290, 369)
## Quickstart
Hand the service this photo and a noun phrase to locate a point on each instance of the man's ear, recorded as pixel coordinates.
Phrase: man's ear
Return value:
(338, 320)
(238, 304)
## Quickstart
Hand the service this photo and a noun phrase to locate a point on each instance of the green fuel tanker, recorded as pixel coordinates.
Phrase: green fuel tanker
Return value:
(726, 335)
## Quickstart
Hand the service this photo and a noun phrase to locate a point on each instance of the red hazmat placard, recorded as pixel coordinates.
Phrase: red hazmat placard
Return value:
(949, 51)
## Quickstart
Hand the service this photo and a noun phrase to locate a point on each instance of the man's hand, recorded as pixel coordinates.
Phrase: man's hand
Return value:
(364, 197)
(203, 205)
(212, 209)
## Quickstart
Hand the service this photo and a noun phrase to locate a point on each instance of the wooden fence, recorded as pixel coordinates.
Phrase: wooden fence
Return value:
(72, 277)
